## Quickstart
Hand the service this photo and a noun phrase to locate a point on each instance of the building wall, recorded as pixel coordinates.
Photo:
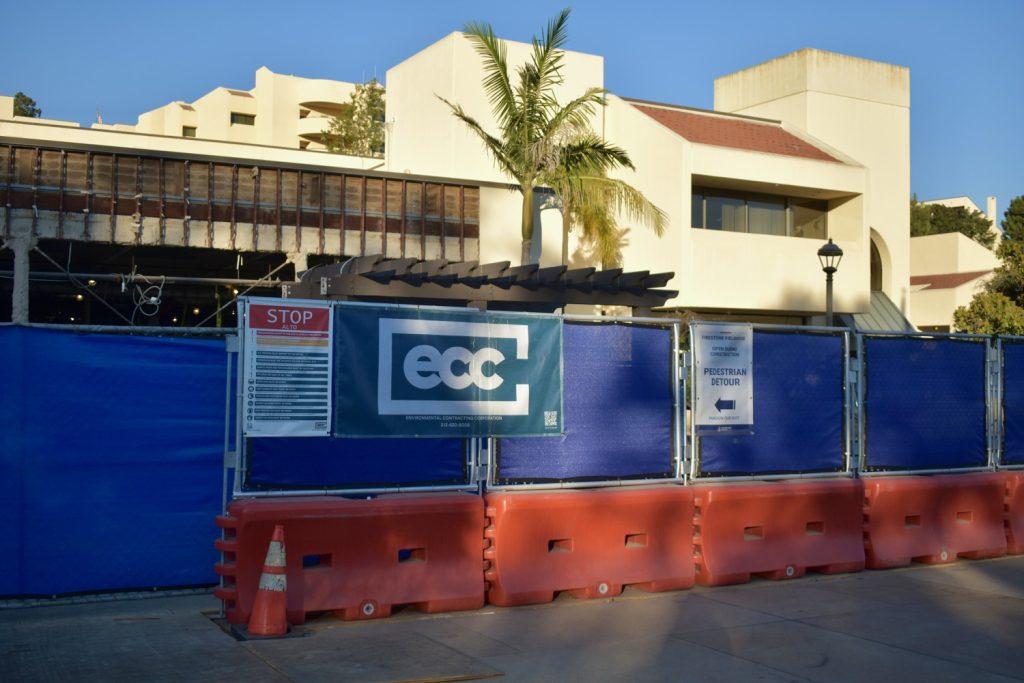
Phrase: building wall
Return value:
(717, 270)
(941, 255)
(949, 253)
(858, 106)
(933, 308)
(290, 112)
(424, 136)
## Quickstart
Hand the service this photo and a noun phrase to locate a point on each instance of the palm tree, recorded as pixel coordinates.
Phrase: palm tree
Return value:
(592, 201)
(535, 130)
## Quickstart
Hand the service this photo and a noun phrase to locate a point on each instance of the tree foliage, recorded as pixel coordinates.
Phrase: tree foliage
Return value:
(26, 106)
(990, 313)
(999, 309)
(592, 203)
(1008, 277)
(1013, 220)
(359, 128)
(920, 218)
(935, 219)
(540, 141)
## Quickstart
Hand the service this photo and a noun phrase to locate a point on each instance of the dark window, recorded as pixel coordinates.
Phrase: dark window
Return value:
(697, 211)
(188, 131)
(761, 214)
(243, 119)
(767, 216)
(726, 213)
(809, 218)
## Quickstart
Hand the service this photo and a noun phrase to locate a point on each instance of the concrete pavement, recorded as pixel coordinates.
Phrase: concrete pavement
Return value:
(958, 622)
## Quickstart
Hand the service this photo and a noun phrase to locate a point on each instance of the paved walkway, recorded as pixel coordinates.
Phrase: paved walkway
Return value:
(955, 623)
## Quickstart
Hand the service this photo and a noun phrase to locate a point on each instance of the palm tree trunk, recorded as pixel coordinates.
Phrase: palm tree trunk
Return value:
(527, 224)
(566, 214)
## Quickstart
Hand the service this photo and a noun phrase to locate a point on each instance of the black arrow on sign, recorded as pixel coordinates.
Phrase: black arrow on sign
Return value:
(721, 404)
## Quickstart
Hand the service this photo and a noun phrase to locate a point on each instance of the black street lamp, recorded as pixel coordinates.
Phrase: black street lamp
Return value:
(830, 255)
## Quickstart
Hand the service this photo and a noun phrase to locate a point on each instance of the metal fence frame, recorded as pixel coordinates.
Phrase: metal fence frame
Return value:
(850, 408)
(488, 451)
(991, 378)
(238, 459)
(1000, 405)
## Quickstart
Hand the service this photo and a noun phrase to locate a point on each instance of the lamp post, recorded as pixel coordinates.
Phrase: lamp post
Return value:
(830, 255)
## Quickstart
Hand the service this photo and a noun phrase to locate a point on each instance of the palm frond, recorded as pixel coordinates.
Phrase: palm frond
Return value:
(547, 51)
(496, 79)
(576, 113)
(588, 154)
(620, 198)
(494, 146)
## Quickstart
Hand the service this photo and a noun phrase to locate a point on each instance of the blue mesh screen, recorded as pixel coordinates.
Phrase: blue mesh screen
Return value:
(924, 403)
(111, 452)
(798, 410)
(618, 402)
(317, 463)
(1013, 402)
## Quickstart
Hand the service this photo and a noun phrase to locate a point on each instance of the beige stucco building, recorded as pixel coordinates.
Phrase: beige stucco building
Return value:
(279, 111)
(946, 271)
(805, 147)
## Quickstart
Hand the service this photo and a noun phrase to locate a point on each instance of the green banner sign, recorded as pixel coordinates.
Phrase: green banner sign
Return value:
(406, 371)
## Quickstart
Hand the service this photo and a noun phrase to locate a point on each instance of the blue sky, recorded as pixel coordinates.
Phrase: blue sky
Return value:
(966, 58)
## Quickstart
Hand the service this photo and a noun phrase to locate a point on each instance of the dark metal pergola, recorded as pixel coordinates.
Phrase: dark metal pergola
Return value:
(494, 286)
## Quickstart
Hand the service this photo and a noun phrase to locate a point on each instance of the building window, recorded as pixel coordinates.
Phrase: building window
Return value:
(188, 131)
(761, 214)
(243, 119)
(725, 213)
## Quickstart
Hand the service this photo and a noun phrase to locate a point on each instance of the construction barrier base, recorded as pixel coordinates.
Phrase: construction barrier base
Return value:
(357, 558)
(1014, 512)
(590, 543)
(933, 519)
(777, 530)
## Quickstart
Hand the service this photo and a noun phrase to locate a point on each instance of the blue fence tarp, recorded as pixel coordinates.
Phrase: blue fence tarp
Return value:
(618, 402)
(316, 463)
(1013, 402)
(111, 449)
(798, 410)
(924, 403)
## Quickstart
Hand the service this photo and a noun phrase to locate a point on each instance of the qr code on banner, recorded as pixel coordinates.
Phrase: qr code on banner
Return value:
(550, 418)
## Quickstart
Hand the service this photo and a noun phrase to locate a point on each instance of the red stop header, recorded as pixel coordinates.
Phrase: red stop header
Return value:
(285, 317)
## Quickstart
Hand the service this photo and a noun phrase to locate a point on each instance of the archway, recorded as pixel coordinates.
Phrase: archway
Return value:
(876, 268)
(881, 264)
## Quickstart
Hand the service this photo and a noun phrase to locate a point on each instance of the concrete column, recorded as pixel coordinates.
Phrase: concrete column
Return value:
(300, 260)
(990, 208)
(21, 245)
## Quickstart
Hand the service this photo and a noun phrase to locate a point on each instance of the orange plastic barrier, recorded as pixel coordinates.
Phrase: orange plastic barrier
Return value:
(588, 542)
(357, 557)
(933, 519)
(778, 530)
(1014, 509)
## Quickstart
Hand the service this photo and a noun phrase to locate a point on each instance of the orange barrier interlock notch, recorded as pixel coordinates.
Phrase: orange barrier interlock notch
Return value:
(1013, 510)
(933, 518)
(777, 530)
(268, 611)
(590, 543)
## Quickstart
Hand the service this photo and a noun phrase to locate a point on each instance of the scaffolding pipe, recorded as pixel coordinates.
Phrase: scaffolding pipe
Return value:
(169, 279)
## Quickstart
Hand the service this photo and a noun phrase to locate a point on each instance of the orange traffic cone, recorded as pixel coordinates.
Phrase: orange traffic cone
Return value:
(268, 610)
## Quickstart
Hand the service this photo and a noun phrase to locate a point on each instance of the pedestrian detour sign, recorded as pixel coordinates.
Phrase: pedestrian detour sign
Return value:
(723, 357)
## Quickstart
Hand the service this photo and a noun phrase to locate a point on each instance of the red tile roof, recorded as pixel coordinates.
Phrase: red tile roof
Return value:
(739, 133)
(947, 280)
